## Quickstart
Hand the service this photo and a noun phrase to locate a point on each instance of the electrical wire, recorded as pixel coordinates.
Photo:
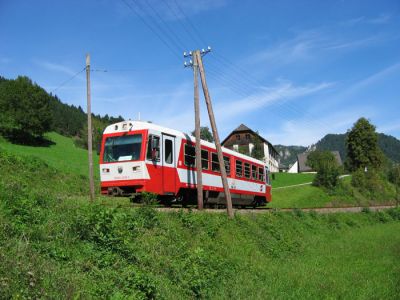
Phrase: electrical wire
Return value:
(68, 80)
(151, 28)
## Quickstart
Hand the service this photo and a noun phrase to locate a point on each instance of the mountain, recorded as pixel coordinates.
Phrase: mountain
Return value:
(288, 154)
(388, 144)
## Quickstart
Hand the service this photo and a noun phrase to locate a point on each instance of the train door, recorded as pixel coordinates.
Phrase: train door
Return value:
(169, 164)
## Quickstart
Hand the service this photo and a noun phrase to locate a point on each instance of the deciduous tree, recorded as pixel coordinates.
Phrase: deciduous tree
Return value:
(362, 147)
(24, 107)
(324, 162)
(205, 134)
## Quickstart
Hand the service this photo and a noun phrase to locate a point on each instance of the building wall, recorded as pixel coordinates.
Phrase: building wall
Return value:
(244, 140)
(294, 168)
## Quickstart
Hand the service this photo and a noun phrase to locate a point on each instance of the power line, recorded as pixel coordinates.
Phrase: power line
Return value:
(68, 80)
(175, 37)
(190, 24)
(152, 29)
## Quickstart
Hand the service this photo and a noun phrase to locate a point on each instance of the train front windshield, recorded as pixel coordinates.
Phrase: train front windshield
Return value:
(122, 148)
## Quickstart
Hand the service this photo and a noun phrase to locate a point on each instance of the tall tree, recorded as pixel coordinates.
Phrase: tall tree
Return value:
(362, 146)
(205, 134)
(24, 107)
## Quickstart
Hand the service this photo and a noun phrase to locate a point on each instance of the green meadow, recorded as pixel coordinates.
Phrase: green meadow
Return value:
(55, 243)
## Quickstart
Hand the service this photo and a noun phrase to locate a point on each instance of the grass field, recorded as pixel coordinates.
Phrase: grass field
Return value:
(286, 179)
(62, 155)
(55, 244)
(299, 197)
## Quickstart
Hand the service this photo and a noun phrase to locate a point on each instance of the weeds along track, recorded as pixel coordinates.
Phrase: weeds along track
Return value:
(321, 210)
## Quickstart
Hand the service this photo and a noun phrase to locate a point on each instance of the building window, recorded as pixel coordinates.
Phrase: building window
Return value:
(204, 159)
(238, 137)
(239, 168)
(190, 155)
(248, 136)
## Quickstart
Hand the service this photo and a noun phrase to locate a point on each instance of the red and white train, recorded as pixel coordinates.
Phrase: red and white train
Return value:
(140, 157)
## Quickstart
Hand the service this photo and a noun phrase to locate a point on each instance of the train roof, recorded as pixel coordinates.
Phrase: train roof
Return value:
(126, 126)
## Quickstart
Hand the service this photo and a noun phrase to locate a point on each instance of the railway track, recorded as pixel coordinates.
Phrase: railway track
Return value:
(321, 210)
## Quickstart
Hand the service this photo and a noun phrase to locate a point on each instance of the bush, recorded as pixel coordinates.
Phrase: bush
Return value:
(328, 171)
(373, 185)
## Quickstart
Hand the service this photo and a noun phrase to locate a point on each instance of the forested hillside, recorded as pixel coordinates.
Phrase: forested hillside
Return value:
(28, 110)
(288, 154)
(331, 142)
(388, 144)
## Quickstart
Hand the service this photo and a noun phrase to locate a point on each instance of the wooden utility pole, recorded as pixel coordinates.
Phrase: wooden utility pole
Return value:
(199, 60)
(197, 133)
(89, 120)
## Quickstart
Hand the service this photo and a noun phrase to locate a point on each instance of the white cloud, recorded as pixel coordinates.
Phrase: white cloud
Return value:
(310, 44)
(5, 60)
(309, 131)
(282, 93)
(389, 127)
(381, 19)
(55, 67)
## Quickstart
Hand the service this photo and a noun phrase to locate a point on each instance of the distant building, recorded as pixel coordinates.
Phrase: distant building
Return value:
(300, 165)
(242, 140)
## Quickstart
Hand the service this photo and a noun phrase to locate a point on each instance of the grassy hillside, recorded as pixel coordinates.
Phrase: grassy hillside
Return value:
(57, 245)
(62, 154)
(286, 179)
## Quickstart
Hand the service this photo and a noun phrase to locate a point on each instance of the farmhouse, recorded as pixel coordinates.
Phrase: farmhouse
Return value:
(244, 140)
(300, 166)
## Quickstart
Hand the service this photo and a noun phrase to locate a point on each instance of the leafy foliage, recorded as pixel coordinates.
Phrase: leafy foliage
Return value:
(362, 147)
(29, 111)
(25, 107)
(327, 168)
(205, 134)
(389, 145)
(258, 149)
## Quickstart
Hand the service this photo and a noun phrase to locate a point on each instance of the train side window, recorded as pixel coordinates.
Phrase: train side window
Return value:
(254, 172)
(227, 163)
(261, 174)
(214, 163)
(239, 168)
(204, 159)
(267, 178)
(190, 155)
(153, 148)
(247, 170)
(168, 155)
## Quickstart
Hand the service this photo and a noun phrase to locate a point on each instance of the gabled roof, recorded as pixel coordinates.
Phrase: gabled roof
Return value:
(244, 128)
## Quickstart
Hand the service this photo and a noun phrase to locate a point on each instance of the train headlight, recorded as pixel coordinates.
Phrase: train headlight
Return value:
(136, 168)
(106, 170)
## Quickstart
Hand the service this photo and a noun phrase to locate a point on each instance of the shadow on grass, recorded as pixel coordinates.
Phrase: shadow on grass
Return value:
(19, 137)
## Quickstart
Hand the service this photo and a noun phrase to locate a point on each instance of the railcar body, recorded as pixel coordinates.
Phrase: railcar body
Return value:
(138, 157)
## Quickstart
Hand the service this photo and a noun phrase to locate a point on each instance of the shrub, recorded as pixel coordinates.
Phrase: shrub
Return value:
(324, 162)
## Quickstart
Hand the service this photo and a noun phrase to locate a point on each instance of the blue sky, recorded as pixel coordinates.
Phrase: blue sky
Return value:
(293, 70)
